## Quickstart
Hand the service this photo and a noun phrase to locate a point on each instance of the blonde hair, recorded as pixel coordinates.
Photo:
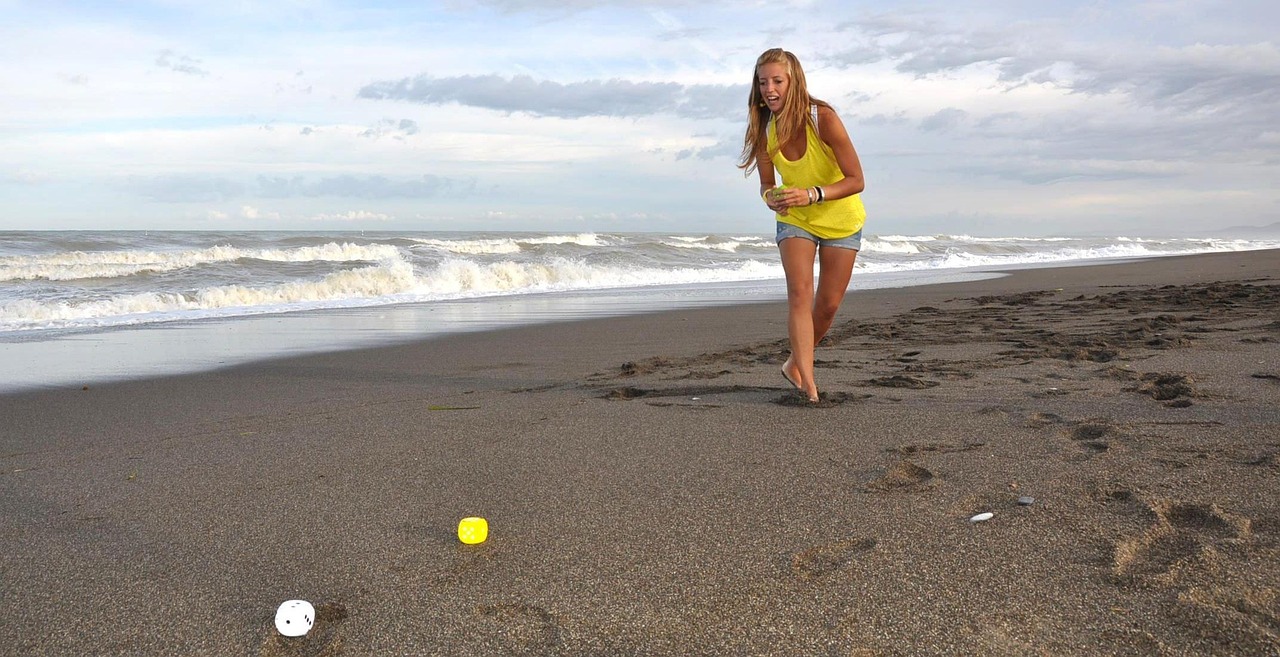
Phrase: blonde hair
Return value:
(793, 118)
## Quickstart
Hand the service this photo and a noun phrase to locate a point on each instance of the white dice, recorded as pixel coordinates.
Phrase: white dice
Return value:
(295, 617)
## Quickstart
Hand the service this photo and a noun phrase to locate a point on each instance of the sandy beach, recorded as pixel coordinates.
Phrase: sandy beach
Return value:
(654, 488)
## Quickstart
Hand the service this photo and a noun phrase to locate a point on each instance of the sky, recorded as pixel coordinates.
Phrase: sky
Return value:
(994, 118)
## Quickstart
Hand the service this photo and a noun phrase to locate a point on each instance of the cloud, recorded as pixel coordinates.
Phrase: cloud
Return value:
(1035, 171)
(1186, 101)
(349, 186)
(212, 189)
(397, 129)
(610, 98)
(1233, 80)
(180, 63)
(28, 177)
(944, 120)
(1200, 77)
(1004, 101)
(565, 7)
(354, 215)
(925, 46)
(184, 188)
(682, 34)
(250, 212)
(729, 147)
(882, 119)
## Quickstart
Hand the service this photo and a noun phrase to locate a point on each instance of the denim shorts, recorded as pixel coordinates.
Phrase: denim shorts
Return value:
(853, 241)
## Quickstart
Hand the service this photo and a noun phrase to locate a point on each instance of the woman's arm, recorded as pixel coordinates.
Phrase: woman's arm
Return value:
(764, 166)
(833, 133)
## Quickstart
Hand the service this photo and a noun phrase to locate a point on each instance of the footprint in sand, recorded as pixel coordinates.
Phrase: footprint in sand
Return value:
(1092, 435)
(626, 393)
(942, 448)
(324, 639)
(1176, 390)
(829, 557)
(903, 477)
(1181, 531)
(1266, 459)
(526, 628)
(1241, 616)
(1126, 503)
(1039, 420)
(902, 381)
(825, 399)
(1136, 641)
(1203, 553)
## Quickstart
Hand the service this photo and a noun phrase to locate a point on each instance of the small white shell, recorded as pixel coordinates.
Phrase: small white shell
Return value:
(982, 517)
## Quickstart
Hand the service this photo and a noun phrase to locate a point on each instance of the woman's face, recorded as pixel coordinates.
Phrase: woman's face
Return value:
(774, 82)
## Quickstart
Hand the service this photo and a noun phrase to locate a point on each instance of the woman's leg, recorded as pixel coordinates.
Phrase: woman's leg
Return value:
(797, 261)
(835, 268)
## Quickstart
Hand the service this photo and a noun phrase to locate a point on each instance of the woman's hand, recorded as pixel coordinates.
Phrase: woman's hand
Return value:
(788, 197)
(776, 200)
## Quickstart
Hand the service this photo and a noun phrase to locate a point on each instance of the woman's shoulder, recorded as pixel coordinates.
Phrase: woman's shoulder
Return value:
(828, 122)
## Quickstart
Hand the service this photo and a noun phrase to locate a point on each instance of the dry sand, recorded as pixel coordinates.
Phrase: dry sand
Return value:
(652, 487)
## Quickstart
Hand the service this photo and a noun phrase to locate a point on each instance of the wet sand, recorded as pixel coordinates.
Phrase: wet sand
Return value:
(653, 488)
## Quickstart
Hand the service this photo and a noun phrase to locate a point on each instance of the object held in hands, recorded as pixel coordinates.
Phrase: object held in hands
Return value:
(473, 530)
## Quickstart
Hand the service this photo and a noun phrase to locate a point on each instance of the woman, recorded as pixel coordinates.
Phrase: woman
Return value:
(819, 213)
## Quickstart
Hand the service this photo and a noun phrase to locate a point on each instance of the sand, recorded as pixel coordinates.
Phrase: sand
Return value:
(653, 487)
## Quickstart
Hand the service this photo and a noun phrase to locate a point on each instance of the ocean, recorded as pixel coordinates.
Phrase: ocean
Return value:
(85, 306)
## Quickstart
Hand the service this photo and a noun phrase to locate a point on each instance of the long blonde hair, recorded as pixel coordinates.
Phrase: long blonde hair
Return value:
(793, 118)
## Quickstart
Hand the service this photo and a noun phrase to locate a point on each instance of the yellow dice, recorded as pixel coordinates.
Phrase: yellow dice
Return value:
(473, 530)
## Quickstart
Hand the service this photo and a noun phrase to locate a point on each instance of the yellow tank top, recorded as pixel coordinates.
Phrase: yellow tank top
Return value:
(832, 219)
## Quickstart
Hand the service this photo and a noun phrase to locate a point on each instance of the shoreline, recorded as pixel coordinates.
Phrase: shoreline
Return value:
(652, 487)
(75, 358)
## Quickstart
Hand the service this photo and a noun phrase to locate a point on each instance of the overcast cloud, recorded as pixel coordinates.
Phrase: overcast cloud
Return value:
(522, 93)
(1002, 117)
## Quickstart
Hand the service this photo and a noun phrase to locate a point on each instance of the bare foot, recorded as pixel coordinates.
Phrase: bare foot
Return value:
(791, 373)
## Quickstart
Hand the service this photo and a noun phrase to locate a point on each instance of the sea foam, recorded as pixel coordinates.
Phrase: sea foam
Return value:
(57, 284)
(115, 264)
